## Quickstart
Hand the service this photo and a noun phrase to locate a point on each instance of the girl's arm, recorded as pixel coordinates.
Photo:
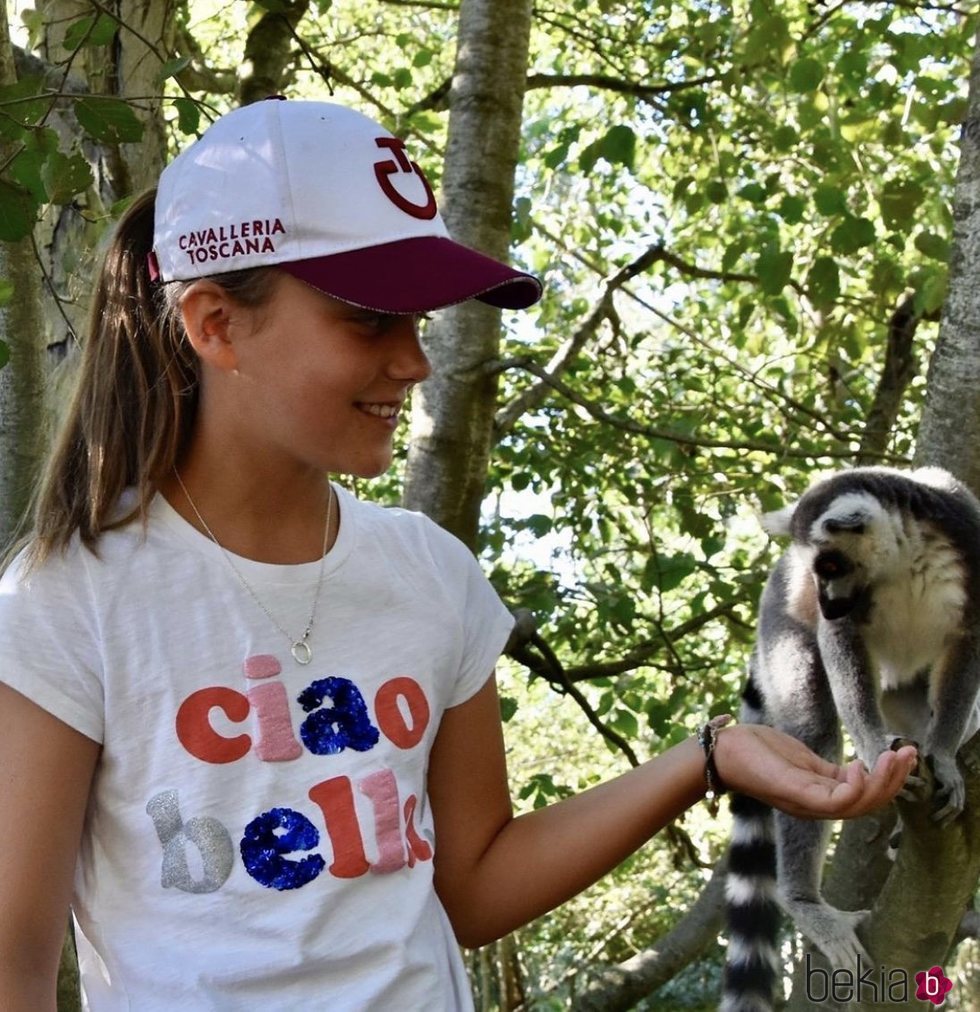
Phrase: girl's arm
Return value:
(494, 872)
(46, 771)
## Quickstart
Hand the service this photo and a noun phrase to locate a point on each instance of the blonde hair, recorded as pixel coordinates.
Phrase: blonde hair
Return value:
(136, 393)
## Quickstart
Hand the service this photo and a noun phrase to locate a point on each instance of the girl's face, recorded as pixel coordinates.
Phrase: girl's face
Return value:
(322, 382)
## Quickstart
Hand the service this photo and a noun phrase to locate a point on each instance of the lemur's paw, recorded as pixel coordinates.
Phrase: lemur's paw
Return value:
(916, 787)
(949, 791)
(832, 931)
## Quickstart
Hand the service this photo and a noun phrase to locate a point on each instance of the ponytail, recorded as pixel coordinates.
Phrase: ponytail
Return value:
(136, 396)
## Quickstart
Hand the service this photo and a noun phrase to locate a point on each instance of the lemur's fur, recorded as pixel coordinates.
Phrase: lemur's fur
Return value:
(871, 619)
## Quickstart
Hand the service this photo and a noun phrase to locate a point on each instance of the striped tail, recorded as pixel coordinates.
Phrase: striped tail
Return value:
(752, 963)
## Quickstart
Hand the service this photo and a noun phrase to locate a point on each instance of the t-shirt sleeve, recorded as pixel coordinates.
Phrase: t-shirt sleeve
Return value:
(484, 620)
(48, 646)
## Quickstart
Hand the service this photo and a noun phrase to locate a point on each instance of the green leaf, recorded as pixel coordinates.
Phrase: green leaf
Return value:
(422, 58)
(188, 115)
(785, 138)
(508, 707)
(108, 119)
(931, 292)
(91, 31)
(401, 78)
(753, 192)
(900, 202)
(823, 282)
(774, 268)
(791, 208)
(670, 571)
(65, 176)
(933, 246)
(618, 147)
(852, 234)
(829, 200)
(4, 353)
(538, 524)
(34, 23)
(18, 210)
(716, 191)
(172, 68)
(806, 74)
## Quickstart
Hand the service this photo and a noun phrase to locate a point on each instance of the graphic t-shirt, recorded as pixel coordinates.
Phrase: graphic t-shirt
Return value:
(259, 834)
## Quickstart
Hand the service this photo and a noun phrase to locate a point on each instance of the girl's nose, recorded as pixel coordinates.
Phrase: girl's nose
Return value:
(408, 360)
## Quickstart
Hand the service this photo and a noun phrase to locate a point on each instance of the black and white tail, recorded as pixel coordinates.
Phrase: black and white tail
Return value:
(752, 961)
(753, 912)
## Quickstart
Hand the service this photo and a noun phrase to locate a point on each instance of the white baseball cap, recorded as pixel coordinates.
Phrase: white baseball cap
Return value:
(328, 195)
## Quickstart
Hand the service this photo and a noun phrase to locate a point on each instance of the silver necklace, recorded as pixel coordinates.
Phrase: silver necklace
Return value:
(300, 648)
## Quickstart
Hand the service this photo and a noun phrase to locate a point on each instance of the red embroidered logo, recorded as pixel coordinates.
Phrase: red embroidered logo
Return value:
(384, 171)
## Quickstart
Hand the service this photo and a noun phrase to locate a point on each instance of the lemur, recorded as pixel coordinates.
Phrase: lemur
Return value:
(871, 619)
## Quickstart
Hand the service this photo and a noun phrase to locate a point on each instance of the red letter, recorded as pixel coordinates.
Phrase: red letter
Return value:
(390, 718)
(336, 801)
(194, 730)
(418, 849)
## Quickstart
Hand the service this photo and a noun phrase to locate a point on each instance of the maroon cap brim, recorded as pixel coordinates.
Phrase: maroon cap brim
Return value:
(417, 276)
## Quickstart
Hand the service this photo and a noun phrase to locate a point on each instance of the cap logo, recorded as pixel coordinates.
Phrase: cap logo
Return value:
(384, 171)
(237, 239)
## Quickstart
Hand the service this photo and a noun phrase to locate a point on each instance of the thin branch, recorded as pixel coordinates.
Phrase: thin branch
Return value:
(606, 82)
(640, 655)
(49, 284)
(547, 664)
(652, 432)
(535, 394)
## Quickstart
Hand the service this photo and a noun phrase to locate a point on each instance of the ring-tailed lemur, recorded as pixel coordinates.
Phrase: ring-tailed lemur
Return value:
(871, 619)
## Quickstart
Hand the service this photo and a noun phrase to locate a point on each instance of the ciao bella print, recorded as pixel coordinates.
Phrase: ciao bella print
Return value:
(280, 848)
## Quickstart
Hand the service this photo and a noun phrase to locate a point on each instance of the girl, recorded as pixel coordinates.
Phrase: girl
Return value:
(249, 732)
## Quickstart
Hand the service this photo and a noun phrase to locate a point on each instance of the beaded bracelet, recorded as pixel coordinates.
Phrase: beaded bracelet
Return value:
(707, 738)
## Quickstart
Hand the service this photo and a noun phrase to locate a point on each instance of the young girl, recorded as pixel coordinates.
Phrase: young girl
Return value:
(249, 732)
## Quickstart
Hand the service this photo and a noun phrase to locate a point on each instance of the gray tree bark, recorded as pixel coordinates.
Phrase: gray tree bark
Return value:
(951, 415)
(22, 380)
(453, 411)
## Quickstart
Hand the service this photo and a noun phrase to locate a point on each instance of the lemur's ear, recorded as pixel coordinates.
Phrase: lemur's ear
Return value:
(777, 523)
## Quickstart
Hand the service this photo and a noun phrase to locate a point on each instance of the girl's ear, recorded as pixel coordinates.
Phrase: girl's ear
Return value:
(210, 318)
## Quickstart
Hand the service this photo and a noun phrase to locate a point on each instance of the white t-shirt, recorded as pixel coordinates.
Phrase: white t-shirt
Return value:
(259, 834)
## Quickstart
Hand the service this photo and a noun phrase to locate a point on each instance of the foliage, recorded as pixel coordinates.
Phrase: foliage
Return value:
(727, 203)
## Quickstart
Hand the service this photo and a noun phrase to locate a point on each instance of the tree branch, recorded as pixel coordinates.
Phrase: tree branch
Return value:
(652, 432)
(535, 394)
(643, 652)
(621, 987)
(538, 657)
(897, 372)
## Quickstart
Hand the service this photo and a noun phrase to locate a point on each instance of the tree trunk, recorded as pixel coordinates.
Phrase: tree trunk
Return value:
(452, 415)
(951, 415)
(22, 380)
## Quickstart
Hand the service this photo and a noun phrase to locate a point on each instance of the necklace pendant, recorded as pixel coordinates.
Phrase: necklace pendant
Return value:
(302, 652)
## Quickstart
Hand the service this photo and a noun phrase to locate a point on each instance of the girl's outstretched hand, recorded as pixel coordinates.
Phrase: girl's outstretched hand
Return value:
(780, 770)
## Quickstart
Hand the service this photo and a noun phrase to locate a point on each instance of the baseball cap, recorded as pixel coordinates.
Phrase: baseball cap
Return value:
(327, 194)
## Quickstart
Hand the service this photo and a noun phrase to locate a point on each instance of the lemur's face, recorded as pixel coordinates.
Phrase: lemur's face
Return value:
(849, 543)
